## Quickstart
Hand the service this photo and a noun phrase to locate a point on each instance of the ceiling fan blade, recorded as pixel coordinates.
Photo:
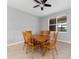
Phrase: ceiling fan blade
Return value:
(35, 6)
(47, 5)
(42, 8)
(37, 1)
(44, 1)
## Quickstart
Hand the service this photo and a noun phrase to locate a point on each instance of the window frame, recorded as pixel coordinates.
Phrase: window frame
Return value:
(57, 24)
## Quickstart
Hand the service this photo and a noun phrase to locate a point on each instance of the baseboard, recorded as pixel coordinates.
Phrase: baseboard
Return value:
(22, 42)
(64, 41)
(11, 44)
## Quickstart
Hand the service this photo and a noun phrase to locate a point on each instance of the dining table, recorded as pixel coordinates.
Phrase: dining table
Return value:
(41, 40)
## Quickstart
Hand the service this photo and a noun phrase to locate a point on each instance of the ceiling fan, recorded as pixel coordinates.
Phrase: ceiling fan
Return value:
(41, 4)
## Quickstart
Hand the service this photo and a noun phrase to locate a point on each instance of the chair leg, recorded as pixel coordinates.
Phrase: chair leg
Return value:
(23, 46)
(26, 51)
(44, 51)
(26, 48)
(53, 53)
(32, 52)
(56, 50)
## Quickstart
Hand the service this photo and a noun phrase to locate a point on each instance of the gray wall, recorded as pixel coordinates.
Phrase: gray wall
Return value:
(61, 36)
(17, 22)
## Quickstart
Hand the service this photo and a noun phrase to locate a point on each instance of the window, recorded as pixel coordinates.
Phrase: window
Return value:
(62, 24)
(52, 24)
(53, 21)
(58, 24)
(52, 27)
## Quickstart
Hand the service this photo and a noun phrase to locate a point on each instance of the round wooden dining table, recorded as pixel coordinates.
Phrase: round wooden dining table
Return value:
(41, 38)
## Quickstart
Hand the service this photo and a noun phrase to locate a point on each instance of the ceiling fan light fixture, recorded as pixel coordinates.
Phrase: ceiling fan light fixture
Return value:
(42, 3)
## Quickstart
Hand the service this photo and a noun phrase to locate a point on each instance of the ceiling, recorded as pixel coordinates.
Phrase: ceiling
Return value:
(27, 6)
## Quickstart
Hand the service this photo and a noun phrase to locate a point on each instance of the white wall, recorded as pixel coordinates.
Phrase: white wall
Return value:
(61, 36)
(17, 22)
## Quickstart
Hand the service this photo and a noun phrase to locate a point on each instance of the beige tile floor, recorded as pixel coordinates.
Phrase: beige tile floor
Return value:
(17, 52)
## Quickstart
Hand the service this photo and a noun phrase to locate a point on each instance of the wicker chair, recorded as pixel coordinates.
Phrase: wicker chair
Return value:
(28, 42)
(45, 33)
(52, 46)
